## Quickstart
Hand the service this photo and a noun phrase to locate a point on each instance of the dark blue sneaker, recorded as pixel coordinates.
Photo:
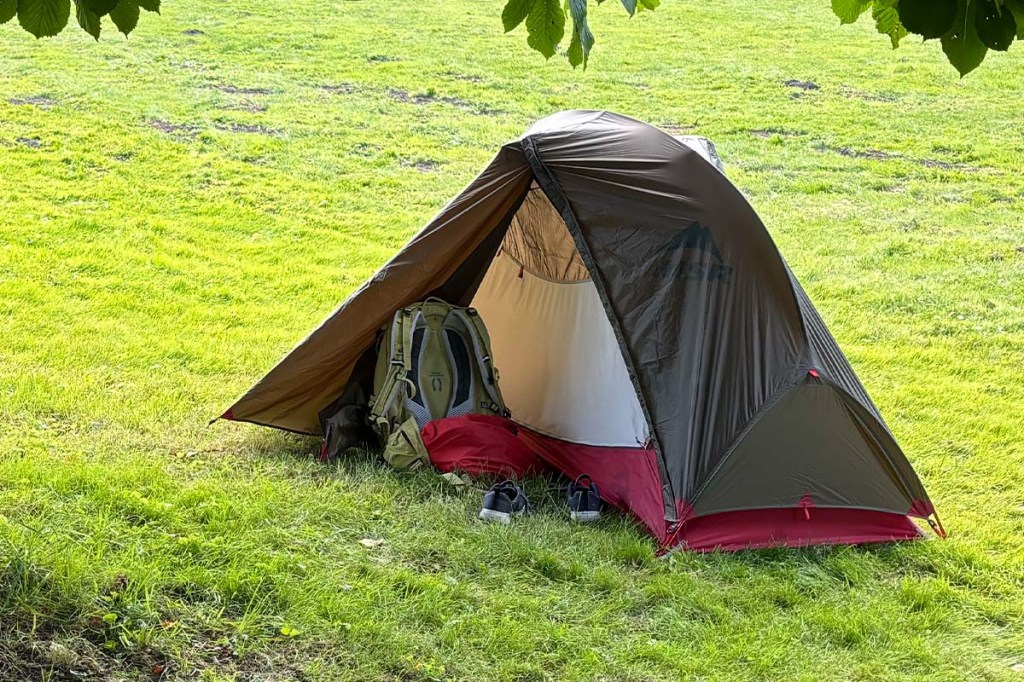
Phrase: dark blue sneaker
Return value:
(503, 501)
(584, 500)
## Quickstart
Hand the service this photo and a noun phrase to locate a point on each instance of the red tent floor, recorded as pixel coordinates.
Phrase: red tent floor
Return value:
(629, 479)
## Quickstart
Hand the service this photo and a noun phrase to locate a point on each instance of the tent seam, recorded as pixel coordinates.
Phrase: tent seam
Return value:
(558, 199)
(798, 374)
(849, 401)
(797, 507)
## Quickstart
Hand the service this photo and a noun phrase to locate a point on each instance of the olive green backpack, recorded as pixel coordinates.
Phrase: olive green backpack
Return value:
(433, 361)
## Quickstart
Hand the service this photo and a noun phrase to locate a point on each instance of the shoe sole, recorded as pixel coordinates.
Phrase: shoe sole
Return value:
(585, 516)
(495, 516)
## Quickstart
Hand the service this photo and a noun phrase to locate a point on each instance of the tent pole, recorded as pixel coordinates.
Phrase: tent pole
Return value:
(936, 525)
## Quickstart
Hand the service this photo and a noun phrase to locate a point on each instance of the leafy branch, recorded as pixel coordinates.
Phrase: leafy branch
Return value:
(545, 24)
(43, 18)
(967, 29)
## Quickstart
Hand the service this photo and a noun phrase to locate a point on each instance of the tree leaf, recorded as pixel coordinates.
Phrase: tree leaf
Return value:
(887, 21)
(927, 18)
(87, 19)
(996, 26)
(647, 4)
(150, 5)
(125, 16)
(1016, 8)
(546, 25)
(44, 18)
(575, 52)
(582, 39)
(8, 8)
(849, 11)
(962, 45)
(100, 7)
(515, 13)
(630, 6)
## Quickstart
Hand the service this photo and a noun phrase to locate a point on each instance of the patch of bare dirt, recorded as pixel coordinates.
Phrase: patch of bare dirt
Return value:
(339, 89)
(945, 165)
(250, 107)
(365, 149)
(193, 32)
(251, 128)
(678, 128)
(879, 155)
(865, 153)
(178, 129)
(867, 96)
(431, 98)
(469, 78)
(41, 101)
(772, 132)
(421, 166)
(236, 90)
(32, 142)
(403, 96)
(801, 85)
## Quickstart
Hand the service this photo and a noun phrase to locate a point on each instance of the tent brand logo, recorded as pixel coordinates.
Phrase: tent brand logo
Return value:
(703, 262)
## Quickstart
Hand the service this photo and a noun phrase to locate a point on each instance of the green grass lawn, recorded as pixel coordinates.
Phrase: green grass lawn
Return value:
(178, 210)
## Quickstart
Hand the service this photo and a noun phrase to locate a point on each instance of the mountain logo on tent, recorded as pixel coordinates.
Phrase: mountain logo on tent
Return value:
(708, 266)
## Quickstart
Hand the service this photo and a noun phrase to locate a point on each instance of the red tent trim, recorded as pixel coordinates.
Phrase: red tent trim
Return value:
(629, 480)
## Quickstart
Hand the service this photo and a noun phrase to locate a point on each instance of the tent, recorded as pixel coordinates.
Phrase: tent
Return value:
(648, 332)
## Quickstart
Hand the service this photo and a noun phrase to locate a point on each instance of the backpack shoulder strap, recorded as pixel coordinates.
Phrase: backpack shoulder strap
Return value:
(481, 341)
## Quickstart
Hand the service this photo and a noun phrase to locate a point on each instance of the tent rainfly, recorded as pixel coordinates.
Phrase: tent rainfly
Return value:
(648, 332)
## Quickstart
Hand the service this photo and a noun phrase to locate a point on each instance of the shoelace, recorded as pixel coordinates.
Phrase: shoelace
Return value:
(512, 490)
(584, 484)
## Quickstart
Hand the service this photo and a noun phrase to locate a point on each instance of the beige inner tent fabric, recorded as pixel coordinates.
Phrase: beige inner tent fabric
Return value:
(539, 241)
(562, 372)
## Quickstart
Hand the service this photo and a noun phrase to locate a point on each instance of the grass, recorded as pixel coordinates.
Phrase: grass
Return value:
(178, 210)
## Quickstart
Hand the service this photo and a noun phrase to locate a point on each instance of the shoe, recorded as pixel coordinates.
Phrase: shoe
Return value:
(503, 501)
(584, 500)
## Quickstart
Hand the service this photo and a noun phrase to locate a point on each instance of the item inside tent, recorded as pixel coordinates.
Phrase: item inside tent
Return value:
(481, 445)
(648, 332)
(433, 361)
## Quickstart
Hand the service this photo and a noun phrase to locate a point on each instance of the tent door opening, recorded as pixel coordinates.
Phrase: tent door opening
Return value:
(562, 371)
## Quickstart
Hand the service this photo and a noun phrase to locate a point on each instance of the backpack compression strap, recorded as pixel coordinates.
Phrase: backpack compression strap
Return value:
(398, 371)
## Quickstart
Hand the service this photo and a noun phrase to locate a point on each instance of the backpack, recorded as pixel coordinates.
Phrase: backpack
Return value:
(433, 361)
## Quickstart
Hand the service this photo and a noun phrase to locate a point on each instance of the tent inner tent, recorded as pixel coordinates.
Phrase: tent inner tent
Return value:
(647, 332)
